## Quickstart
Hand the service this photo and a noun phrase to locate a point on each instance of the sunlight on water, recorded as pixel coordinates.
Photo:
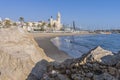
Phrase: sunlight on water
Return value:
(75, 46)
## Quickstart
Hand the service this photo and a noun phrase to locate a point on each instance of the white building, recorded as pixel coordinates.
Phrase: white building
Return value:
(56, 24)
(0, 19)
(1, 23)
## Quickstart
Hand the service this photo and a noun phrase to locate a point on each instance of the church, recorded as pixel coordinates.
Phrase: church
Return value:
(56, 24)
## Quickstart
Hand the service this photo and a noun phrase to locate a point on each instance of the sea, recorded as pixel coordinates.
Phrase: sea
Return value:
(76, 46)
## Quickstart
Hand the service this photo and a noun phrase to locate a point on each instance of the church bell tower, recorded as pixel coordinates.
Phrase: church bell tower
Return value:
(59, 17)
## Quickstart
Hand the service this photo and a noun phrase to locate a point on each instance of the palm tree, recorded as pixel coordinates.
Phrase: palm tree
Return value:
(21, 19)
(49, 25)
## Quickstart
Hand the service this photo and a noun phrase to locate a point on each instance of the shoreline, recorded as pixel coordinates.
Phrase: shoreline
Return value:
(43, 40)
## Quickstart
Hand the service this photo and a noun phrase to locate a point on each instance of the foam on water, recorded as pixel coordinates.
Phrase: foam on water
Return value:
(76, 46)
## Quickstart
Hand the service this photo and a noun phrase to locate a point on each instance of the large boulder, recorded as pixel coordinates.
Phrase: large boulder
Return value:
(100, 55)
(18, 54)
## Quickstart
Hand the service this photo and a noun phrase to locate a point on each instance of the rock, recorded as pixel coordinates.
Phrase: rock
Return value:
(77, 65)
(104, 76)
(89, 65)
(83, 73)
(54, 72)
(62, 77)
(103, 67)
(97, 54)
(118, 65)
(118, 74)
(86, 78)
(85, 66)
(32, 77)
(45, 77)
(89, 75)
(105, 70)
(39, 69)
(68, 72)
(62, 68)
(55, 76)
(76, 77)
(96, 66)
(49, 67)
(68, 62)
(56, 65)
(112, 70)
(110, 60)
(74, 70)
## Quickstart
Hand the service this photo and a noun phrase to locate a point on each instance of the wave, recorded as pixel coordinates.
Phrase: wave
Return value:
(77, 45)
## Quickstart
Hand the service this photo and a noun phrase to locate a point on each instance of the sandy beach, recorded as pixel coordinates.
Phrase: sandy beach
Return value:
(43, 40)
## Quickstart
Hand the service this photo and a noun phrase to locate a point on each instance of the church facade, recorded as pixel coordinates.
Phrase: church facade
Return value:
(56, 24)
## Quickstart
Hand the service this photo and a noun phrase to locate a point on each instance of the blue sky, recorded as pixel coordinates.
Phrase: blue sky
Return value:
(86, 13)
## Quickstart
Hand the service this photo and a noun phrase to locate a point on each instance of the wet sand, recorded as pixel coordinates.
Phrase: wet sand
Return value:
(43, 40)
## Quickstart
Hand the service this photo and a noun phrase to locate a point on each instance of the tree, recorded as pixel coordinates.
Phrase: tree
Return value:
(0, 24)
(33, 24)
(21, 19)
(49, 25)
(7, 23)
(54, 25)
(43, 24)
(27, 24)
(38, 25)
(42, 29)
(14, 24)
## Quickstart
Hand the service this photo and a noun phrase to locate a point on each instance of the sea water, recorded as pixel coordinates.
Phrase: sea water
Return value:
(76, 46)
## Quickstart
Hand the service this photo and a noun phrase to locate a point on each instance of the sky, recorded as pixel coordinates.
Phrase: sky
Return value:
(87, 14)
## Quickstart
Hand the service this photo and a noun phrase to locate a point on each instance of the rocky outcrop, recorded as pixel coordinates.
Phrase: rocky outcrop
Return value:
(98, 64)
(97, 54)
(18, 54)
(102, 56)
